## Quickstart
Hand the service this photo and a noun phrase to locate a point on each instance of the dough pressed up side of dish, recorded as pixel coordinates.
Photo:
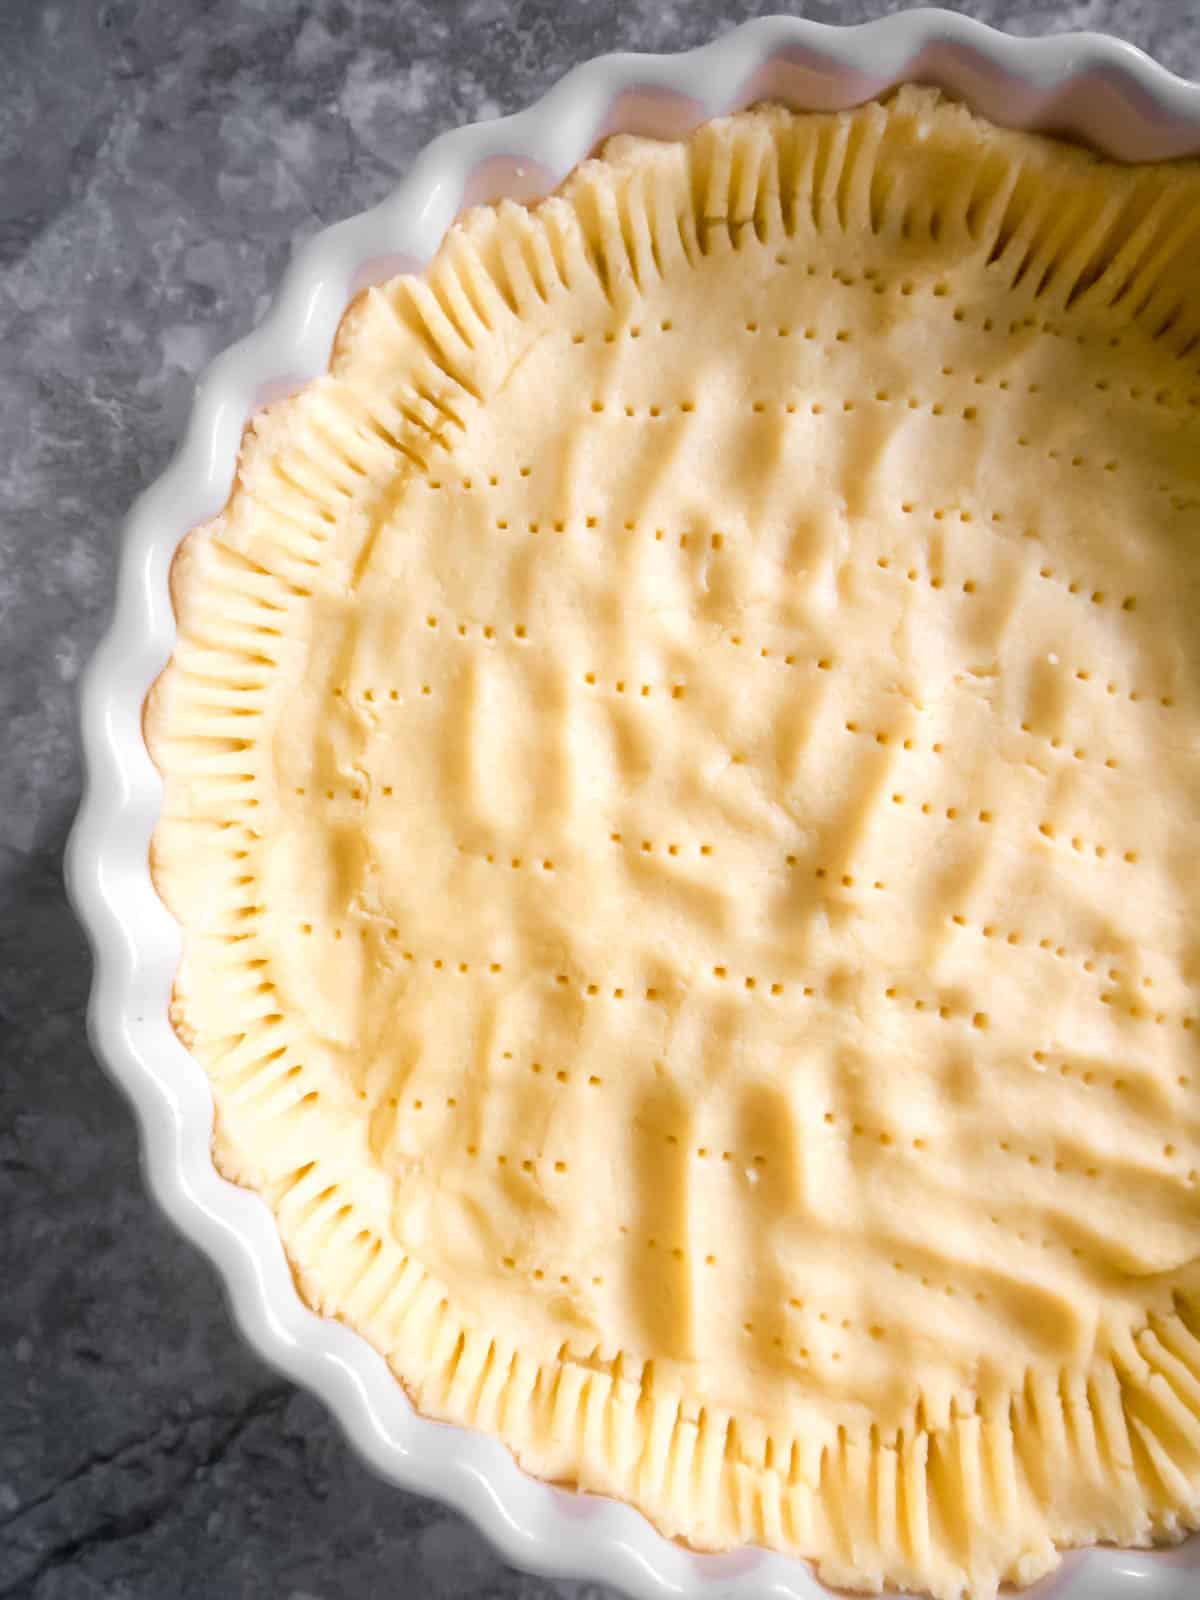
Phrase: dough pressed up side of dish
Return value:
(680, 776)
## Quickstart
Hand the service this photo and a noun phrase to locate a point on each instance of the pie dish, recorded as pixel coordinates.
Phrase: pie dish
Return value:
(713, 879)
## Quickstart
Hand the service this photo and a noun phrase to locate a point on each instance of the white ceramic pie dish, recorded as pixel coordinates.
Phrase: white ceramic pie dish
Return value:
(1086, 85)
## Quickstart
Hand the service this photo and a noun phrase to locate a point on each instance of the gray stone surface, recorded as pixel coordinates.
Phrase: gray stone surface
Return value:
(157, 161)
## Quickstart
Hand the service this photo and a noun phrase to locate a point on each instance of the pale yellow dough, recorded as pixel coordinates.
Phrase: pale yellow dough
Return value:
(681, 767)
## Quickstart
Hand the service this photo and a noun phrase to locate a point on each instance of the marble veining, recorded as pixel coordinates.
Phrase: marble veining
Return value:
(157, 164)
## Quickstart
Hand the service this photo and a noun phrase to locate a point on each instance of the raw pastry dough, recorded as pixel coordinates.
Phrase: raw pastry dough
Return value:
(681, 766)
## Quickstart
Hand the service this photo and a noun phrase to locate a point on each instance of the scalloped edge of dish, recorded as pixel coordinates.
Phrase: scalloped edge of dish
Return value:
(1088, 86)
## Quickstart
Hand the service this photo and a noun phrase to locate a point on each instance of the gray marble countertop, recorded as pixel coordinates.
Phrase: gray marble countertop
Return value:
(159, 159)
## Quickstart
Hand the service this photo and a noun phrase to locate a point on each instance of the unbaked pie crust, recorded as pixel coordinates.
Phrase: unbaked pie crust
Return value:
(680, 767)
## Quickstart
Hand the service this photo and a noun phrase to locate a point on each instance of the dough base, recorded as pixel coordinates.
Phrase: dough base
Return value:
(680, 789)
